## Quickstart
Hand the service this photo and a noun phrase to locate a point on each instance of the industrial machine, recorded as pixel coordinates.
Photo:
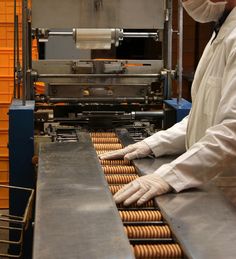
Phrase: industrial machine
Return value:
(62, 101)
(100, 92)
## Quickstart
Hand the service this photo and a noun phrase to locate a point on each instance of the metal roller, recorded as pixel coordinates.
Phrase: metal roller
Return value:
(97, 38)
(120, 179)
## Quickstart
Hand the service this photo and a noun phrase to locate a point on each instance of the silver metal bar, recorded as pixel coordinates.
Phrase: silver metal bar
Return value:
(18, 58)
(180, 52)
(99, 99)
(16, 188)
(99, 75)
(168, 47)
(60, 33)
(169, 32)
(24, 48)
(148, 114)
(65, 66)
(140, 34)
(15, 48)
(94, 84)
(124, 34)
(29, 87)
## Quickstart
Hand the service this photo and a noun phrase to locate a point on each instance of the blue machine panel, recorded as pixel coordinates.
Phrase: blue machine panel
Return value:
(21, 151)
(182, 107)
(21, 143)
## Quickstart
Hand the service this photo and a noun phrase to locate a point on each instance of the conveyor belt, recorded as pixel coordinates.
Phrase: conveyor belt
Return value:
(75, 217)
(145, 227)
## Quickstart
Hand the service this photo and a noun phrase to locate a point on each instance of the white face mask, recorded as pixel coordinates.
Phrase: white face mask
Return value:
(204, 10)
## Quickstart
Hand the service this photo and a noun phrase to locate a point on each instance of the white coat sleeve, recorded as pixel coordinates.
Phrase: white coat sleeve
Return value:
(215, 151)
(170, 141)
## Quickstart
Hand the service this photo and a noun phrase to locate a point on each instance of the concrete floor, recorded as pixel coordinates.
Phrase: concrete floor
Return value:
(3, 234)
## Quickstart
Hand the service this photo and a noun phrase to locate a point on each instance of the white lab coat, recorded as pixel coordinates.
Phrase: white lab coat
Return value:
(208, 135)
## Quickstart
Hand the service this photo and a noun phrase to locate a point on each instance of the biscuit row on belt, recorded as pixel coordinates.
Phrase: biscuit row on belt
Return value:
(149, 236)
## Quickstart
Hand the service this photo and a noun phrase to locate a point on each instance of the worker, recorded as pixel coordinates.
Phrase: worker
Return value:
(205, 140)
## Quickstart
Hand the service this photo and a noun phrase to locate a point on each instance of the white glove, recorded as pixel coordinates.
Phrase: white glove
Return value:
(142, 190)
(137, 150)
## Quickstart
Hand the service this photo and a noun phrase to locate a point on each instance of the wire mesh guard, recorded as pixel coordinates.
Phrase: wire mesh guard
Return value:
(14, 227)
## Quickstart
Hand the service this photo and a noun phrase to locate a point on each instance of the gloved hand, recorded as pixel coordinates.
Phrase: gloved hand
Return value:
(137, 150)
(142, 190)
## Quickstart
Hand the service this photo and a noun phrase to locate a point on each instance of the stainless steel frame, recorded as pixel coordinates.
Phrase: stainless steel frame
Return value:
(76, 216)
(151, 14)
(129, 14)
(125, 79)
